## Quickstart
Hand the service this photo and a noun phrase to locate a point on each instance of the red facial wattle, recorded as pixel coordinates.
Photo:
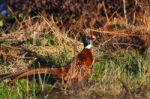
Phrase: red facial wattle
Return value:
(91, 37)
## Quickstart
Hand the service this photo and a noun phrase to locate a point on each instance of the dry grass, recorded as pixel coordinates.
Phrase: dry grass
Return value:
(119, 72)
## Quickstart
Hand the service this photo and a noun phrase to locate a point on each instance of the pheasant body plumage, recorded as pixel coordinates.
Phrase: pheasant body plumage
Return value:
(81, 65)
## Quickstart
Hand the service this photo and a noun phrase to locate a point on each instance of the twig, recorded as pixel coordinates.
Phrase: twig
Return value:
(14, 15)
(125, 12)
(19, 58)
(105, 11)
(112, 32)
(10, 47)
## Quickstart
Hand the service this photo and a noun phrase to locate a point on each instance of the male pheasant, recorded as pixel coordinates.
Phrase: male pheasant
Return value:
(80, 66)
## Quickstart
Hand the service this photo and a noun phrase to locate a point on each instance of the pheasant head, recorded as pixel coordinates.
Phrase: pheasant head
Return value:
(87, 41)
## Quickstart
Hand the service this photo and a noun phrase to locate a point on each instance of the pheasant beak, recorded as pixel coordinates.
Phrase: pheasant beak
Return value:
(91, 37)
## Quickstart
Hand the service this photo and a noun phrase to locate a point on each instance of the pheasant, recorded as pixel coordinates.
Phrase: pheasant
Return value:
(80, 66)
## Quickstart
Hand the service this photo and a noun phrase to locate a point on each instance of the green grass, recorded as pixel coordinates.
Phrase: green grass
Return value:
(133, 69)
(60, 60)
(127, 67)
(20, 90)
(4, 42)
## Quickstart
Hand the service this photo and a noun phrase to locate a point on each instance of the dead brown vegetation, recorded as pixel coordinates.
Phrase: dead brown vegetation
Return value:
(104, 18)
(106, 15)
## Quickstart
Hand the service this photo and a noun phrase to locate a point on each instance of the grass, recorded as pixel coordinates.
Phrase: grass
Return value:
(124, 66)
(132, 69)
(19, 90)
(114, 75)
